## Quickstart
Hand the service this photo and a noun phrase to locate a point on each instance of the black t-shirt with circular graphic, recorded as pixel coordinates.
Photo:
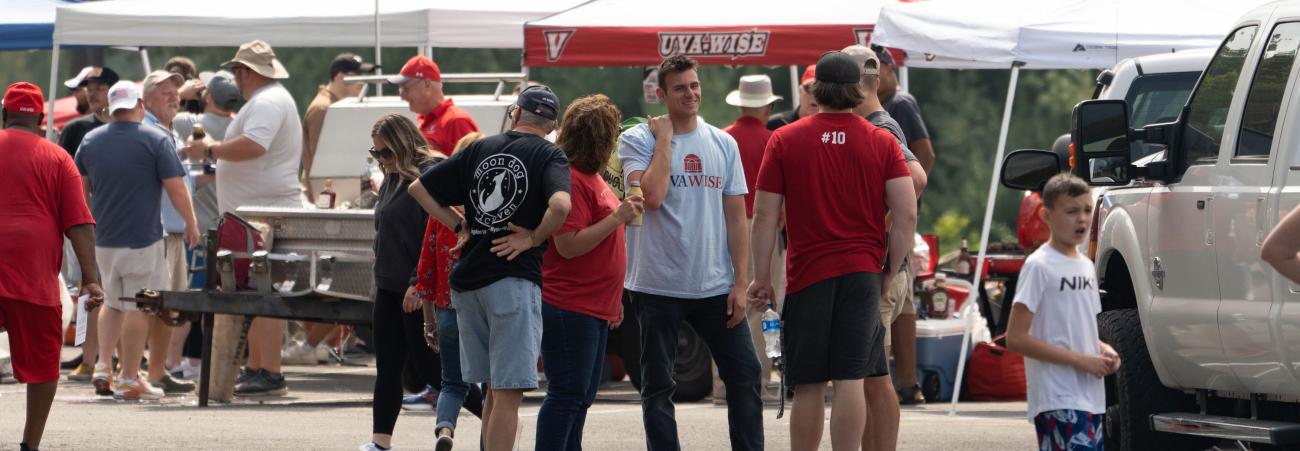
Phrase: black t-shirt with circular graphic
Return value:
(504, 179)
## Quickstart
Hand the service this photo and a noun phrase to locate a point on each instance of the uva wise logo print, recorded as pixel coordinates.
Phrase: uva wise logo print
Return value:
(500, 186)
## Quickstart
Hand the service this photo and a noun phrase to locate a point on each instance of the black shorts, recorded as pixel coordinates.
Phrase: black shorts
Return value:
(832, 331)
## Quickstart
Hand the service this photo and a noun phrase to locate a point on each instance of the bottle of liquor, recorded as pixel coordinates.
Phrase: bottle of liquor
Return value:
(325, 200)
(963, 259)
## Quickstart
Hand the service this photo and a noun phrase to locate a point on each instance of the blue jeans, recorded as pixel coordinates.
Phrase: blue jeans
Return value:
(455, 392)
(573, 354)
(500, 333)
(660, 318)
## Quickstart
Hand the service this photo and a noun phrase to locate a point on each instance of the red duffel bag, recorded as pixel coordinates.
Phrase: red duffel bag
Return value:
(996, 374)
(238, 236)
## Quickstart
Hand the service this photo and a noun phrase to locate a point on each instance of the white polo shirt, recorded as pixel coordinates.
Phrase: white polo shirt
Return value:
(270, 119)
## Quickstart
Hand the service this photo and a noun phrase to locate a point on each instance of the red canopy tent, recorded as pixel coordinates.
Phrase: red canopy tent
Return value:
(726, 32)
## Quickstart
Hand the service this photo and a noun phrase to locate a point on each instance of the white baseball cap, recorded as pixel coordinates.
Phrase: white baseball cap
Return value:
(124, 94)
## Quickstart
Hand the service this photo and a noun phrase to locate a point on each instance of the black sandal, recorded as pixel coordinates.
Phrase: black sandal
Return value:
(910, 396)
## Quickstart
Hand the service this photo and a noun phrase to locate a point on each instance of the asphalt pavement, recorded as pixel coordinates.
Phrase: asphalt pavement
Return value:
(328, 408)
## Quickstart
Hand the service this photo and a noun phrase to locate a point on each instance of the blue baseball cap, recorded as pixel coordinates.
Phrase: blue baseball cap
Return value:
(539, 100)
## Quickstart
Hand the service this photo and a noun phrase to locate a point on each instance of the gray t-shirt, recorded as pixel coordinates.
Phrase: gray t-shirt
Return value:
(883, 120)
(205, 197)
(126, 163)
(681, 250)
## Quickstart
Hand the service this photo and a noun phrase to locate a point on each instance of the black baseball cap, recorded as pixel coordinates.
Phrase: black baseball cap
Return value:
(539, 100)
(883, 55)
(838, 67)
(349, 63)
(92, 73)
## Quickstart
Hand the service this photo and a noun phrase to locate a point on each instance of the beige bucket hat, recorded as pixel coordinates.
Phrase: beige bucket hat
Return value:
(258, 56)
(755, 92)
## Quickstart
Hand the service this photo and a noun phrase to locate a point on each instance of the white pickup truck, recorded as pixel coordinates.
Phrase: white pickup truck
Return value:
(1209, 334)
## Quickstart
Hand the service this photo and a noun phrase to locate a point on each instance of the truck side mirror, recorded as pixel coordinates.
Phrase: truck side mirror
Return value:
(1029, 169)
(1101, 139)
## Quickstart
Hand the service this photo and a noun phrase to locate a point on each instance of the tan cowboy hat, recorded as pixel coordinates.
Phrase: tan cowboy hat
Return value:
(755, 92)
(258, 56)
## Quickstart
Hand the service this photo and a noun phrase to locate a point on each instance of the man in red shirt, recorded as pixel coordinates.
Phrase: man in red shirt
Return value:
(840, 174)
(442, 122)
(40, 202)
(754, 98)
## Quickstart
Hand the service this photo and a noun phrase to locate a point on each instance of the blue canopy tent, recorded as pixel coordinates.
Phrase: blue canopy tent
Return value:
(28, 24)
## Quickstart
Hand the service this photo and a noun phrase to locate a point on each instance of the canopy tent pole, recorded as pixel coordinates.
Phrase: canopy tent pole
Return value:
(144, 60)
(54, 89)
(984, 233)
(379, 56)
(794, 87)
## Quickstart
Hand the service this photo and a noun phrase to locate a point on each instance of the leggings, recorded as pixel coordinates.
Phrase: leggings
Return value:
(398, 336)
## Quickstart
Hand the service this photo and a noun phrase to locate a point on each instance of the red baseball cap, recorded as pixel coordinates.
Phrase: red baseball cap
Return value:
(418, 67)
(24, 97)
(809, 74)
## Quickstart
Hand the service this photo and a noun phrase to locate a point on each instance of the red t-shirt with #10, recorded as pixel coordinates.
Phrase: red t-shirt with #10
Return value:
(832, 169)
(40, 199)
(591, 283)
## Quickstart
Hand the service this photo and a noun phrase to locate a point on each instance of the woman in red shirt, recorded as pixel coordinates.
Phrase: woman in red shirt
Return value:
(582, 275)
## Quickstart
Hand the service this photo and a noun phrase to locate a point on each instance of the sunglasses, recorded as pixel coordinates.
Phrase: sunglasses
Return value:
(807, 88)
(380, 153)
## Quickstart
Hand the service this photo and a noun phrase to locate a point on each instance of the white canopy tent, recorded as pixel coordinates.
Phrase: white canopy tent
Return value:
(1045, 34)
(299, 23)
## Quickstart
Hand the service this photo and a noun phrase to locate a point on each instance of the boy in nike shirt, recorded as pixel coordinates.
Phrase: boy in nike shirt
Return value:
(1054, 324)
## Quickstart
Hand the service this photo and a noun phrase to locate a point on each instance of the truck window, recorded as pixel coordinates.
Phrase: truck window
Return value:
(1265, 97)
(1157, 98)
(1208, 109)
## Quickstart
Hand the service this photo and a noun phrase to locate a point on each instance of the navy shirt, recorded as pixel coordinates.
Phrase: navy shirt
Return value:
(505, 179)
(126, 163)
(904, 109)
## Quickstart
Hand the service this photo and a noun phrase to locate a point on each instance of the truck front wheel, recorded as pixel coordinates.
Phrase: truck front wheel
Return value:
(1139, 390)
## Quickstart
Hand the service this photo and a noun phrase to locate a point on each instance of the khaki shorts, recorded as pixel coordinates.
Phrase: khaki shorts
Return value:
(174, 250)
(897, 302)
(125, 271)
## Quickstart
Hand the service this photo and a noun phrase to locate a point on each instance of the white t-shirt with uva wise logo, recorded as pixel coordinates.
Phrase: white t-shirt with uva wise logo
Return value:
(681, 249)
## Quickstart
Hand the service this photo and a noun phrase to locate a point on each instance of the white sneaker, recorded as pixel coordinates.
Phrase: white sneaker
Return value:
(323, 354)
(185, 371)
(370, 447)
(298, 353)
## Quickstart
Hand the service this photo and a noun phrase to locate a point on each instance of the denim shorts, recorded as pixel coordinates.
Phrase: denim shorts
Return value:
(500, 333)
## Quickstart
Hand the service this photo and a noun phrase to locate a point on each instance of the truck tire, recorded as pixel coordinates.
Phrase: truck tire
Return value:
(693, 370)
(1139, 391)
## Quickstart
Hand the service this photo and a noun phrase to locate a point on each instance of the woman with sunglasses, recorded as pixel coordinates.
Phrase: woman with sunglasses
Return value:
(403, 154)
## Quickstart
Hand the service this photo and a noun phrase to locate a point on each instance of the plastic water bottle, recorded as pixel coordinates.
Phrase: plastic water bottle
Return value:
(772, 333)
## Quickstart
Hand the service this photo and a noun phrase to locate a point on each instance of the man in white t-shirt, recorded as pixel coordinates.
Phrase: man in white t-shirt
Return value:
(1054, 324)
(257, 164)
(689, 261)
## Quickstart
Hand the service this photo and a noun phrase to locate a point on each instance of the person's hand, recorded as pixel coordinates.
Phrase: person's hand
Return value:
(431, 335)
(1096, 365)
(760, 294)
(518, 242)
(1111, 357)
(462, 236)
(619, 322)
(736, 305)
(661, 127)
(192, 90)
(96, 295)
(197, 150)
(411, 302)
(627, 211)
(192, 236)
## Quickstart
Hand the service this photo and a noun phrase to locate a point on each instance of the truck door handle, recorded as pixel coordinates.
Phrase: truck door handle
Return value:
(1200, 205)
